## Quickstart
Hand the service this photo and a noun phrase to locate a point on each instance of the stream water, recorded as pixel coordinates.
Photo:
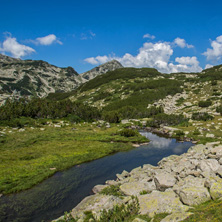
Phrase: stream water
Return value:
(64, 190)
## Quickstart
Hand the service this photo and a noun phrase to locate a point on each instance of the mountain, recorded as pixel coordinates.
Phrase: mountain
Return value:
(104, 68)
(39, 78)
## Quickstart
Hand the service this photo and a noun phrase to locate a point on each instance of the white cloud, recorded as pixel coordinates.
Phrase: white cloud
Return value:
(153, 55)
(208, 66)
(149, 36)
(186, 64)
(17, 50)
(48, 40)
(216, 52)
(182, 43)
(87, 35)
(98, 60)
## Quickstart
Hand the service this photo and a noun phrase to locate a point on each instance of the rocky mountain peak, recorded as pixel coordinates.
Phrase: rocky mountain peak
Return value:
(104, 68)
(4, 58)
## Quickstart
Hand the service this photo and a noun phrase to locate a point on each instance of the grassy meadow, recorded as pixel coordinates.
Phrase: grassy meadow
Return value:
(30, 156)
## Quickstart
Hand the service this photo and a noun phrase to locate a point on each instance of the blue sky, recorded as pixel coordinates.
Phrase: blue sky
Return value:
(171, 36)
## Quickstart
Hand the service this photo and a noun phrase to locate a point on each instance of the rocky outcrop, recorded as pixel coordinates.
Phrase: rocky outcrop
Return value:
(39, 78)
(34, 77)
(175, 185)
(104, 68)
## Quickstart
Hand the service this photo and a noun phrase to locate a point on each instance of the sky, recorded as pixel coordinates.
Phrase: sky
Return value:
(169, 35)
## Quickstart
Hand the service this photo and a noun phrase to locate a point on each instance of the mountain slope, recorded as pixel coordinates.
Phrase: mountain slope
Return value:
(39, 78)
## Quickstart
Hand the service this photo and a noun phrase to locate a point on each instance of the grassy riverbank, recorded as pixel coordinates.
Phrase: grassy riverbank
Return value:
(30, 156)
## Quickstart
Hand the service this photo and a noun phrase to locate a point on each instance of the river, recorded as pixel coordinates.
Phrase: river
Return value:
(64, 190)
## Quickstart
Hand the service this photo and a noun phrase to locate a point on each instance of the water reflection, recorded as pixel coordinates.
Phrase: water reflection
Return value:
(66, 189)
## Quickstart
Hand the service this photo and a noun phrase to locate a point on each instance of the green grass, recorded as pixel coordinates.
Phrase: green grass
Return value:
(210, 211)
(26, 157)
(112, 190)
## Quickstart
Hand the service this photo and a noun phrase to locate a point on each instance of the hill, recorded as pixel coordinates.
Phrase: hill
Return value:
(38, 78)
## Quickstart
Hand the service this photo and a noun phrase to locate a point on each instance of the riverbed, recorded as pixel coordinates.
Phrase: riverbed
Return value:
(64, 190)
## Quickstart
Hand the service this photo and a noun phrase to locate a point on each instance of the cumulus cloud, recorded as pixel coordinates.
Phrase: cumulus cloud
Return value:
(148, 36)
(17, 50)
(98, 60)
(182, 43)
(186, 64)
(153, 55)
(215, 53)
(48, 40)
(208, 66)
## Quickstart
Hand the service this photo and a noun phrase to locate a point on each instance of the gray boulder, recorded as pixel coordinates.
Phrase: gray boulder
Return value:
(160, 202)
(194, 195)
(164, 180)
(176, 217)
(134, 188)
(216, 190)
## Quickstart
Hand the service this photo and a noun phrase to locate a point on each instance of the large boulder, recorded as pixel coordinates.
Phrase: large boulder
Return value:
(164, 180)
(135, 188)
(176, 217)
(95, 203)
(160, 202)
(208, 165)
(217, 151)
(216, 190)
(98, 188)
(194, 195)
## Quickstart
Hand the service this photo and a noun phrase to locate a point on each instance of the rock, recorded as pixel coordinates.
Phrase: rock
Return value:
(138, 220)
(98, 188)
(194, 195)
(188, 104)
(176, 217)
(123, 175)
(112, 182)
(95, 203)
(217, 151)
(209, 165)
(160, 202)
(208, 135)
(164, 180)
(135, 188)
(216, 190)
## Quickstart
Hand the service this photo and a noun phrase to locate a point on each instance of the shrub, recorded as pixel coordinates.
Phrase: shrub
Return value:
(74, 119)
(214, 82)
(179, 134)
(112, 190)
(206, 103)
(166, 120)
(128, 132)
(112, 117)
(121, 213)
(219, 109)
(201, 116)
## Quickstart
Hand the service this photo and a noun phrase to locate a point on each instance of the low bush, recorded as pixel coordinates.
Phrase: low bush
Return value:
(201, 116)
(111, 117)
(128, 132)
(112, 190)
(166, 120)
(206, 103)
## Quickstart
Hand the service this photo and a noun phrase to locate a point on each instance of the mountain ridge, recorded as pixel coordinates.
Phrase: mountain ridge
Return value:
(39, 78)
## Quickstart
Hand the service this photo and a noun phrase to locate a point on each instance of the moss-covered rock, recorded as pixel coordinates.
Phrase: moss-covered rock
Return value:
(160, 202)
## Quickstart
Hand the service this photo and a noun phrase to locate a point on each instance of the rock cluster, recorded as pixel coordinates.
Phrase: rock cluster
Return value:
(176, 184)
